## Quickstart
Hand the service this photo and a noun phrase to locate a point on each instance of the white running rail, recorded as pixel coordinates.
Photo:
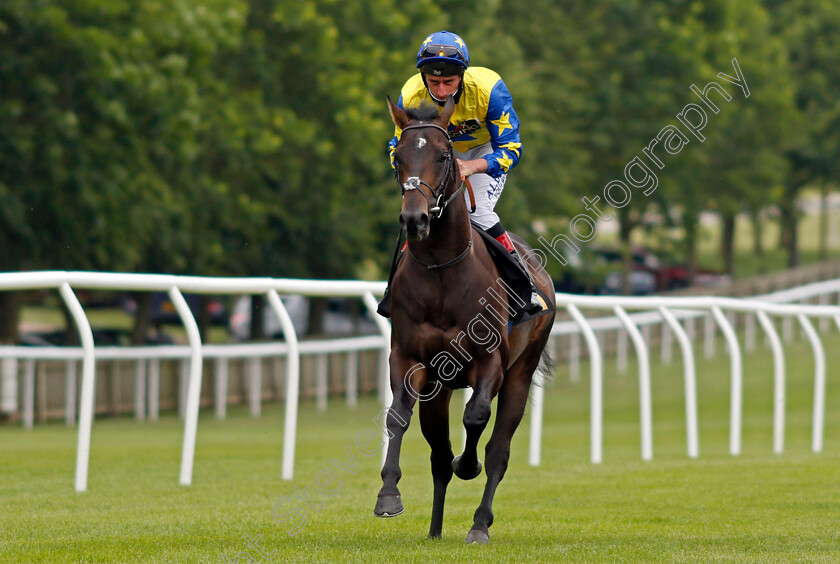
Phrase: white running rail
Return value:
(65, 282)
(670, 312)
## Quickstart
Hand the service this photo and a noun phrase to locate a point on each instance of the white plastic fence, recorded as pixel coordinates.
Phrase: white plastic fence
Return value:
(649, 311)
(669, 312)
(175, 286)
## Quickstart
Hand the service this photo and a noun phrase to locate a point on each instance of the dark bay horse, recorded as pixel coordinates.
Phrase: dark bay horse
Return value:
(449, 327)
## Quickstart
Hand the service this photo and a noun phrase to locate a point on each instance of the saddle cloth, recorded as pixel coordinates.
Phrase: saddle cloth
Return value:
(514, 278)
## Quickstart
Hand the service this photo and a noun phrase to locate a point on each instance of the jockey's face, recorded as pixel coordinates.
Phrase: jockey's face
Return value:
(442, 87)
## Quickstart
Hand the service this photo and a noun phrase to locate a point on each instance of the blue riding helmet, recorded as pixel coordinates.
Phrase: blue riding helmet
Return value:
(443, 54)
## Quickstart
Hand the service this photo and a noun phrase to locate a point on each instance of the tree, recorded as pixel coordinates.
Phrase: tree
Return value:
(743, 154)
(811, 31)
(102, 109)
(609, 74)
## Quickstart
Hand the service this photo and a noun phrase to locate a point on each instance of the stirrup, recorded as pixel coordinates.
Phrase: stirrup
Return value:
(536, 304)
(384, 307)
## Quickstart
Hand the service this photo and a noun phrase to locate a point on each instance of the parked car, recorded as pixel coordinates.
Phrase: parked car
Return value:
(239, 324)
(569, 283)
(339, 318)
(164, 312)
(597, 269)
(672, 274)
(642, 283)
(607, 265)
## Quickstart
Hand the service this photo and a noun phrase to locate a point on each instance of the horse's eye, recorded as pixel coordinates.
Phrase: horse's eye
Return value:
(444, 157)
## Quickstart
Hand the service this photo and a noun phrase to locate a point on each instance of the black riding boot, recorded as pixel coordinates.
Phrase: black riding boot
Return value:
(384, 307)
(534, 304)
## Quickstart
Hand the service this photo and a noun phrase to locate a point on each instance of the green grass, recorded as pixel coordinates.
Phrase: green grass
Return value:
(48, 316)
(756, 507)
(747, 263)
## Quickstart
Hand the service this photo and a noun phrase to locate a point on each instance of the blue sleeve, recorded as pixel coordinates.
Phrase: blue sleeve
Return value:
(392, 144)
(503, 125)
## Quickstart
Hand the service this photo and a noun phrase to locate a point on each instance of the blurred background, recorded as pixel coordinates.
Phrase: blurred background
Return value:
(248, 138)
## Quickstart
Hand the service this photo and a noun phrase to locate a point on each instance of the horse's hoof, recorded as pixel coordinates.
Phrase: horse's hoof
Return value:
(388, 506)
(477, 536)
(465, 473)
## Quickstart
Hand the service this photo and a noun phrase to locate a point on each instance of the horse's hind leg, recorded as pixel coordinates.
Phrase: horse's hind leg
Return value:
(434, 422)
(512, 400)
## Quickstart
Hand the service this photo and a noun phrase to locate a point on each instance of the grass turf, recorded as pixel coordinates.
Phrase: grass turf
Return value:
(756, 507)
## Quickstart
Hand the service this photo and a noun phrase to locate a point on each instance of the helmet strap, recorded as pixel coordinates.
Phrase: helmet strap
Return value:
(456, 96)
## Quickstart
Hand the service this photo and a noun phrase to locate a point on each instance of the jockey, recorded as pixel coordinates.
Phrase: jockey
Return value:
(484, 130)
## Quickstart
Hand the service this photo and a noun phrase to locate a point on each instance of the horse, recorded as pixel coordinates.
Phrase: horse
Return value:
(450, 330)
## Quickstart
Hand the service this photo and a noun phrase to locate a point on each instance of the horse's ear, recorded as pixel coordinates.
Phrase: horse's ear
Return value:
(397, 114)
(445, 115)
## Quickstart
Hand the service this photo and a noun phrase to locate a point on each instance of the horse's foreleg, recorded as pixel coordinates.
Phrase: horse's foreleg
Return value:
(434, 422)
(476, 415)
(512, 400)
(405, 378)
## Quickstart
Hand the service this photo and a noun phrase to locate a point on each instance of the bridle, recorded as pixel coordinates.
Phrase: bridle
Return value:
(414, 182)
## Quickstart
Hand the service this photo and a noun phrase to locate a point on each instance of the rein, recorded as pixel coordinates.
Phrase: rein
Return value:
(447, 264)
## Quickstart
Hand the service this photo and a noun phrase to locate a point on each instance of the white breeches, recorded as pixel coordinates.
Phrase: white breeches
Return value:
(487, 190)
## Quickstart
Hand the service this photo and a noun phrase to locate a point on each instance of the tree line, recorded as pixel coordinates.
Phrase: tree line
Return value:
(248, 137)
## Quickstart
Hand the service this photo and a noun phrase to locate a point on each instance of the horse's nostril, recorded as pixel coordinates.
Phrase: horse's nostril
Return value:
(415, 223)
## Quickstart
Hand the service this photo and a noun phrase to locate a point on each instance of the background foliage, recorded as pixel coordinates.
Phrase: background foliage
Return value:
(247, 137)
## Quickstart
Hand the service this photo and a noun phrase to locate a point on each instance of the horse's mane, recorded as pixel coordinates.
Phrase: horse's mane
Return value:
(426, 111)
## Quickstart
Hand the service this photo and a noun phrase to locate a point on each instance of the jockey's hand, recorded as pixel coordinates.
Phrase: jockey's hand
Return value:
(468, 168)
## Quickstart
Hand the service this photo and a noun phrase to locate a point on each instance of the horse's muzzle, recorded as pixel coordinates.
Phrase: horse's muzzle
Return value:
(415, 223)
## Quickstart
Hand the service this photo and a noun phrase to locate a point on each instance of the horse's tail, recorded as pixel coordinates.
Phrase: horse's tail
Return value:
(544, 372)
(545, 369)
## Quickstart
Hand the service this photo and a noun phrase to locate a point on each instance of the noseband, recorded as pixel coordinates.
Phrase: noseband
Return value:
(414, 182)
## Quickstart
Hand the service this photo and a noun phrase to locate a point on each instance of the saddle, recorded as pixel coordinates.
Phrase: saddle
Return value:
(514, 277)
